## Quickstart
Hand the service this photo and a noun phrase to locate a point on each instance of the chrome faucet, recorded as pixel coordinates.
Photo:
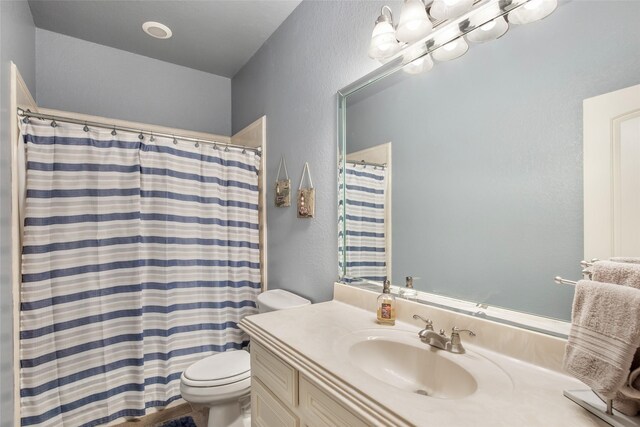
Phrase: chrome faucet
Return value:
(429, 336)
(440, 340)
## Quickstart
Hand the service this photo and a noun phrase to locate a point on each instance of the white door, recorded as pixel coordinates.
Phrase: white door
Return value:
(612, 174)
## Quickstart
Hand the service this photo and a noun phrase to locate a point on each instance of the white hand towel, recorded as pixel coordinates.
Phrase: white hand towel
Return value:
(604, 336)
(617, 273)
(631, 260)
(627, 400)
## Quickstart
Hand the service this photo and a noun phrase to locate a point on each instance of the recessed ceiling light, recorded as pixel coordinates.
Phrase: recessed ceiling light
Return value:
(157, 30)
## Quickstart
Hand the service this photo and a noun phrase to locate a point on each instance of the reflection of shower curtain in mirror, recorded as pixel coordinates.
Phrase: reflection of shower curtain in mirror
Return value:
(365, 222)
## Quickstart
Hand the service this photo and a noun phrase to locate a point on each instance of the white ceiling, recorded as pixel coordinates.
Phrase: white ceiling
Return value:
(216, 36)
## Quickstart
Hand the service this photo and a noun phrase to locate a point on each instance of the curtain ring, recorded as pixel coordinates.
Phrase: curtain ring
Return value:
(25, 120)
(197, 143)
(113, 132)
(141, 136)
(85, 128)
(226, 149)
(175, 141)
(215, 146)
(54, 124)
(152, 139)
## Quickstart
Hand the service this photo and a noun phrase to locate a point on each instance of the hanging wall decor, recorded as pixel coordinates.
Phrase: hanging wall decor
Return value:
(306, 196)
(283, 187)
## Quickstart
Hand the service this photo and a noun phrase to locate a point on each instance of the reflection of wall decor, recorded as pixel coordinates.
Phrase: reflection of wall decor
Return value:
(283, 187)
(306, 196)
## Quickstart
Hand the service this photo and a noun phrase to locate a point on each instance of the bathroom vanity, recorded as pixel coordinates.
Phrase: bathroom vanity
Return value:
(338, 367)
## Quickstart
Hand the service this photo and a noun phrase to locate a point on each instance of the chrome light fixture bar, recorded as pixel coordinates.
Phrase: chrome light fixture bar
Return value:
(452, 23)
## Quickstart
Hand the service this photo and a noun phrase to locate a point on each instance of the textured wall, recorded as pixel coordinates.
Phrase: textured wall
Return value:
(17, 44)
(76, 75)
(487, 152)
(293, 79)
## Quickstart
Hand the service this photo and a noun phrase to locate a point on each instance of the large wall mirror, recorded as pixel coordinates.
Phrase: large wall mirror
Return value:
(470, 176)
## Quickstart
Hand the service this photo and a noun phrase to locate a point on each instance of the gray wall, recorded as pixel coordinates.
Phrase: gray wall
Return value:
(80, 76)
(293, 79)
(487, 152)
(17, 44)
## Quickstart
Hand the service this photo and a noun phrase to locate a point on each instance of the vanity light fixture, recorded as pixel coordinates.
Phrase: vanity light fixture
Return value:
(452, 50)
(414, 22)
(383, 39)
(490, 31)
(157, 30)
(533, 10)
(441, 28)
(449, 9)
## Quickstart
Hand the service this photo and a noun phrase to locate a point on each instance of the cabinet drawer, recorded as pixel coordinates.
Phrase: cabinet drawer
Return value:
(321, 410)
(267, 411)
(280, 378)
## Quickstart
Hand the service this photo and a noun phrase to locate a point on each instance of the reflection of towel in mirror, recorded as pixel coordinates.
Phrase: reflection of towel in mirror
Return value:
(624, 404)
(631, 260)
(604, 336)
(617, 273)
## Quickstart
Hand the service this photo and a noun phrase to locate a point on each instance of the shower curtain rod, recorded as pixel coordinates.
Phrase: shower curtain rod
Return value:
(362, 162)
(175, 137)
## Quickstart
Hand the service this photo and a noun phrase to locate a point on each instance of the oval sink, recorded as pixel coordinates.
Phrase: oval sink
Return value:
(399, 359)
(413, 369)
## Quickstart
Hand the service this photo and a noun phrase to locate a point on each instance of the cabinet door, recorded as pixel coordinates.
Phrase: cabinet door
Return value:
(280, 378)
(320, 410)
(267, 410)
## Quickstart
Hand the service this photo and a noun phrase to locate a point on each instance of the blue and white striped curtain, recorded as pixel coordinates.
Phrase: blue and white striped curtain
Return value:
(365, 222)
(139, 258)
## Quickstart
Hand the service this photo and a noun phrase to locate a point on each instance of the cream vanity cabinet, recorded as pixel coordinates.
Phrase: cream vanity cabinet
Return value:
(283, 397)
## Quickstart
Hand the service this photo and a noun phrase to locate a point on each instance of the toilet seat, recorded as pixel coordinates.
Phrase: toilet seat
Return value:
(219, 370)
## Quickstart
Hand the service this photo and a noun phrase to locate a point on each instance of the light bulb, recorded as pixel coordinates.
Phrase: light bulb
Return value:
(531, 11)
(383, 39)
(488, 26)
(450, 46)
(533, 4)
(490, 31)
(449, 9)
(420, 65)
(414, 22)
(452, 50)
(413, 25)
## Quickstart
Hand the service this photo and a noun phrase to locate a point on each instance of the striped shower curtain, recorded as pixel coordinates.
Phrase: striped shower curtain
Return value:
(139, 258)
(365, 222)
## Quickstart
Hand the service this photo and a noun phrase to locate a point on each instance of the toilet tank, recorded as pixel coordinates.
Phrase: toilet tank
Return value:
(279, 299)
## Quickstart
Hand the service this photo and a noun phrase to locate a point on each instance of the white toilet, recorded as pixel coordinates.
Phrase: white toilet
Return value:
(223, 381)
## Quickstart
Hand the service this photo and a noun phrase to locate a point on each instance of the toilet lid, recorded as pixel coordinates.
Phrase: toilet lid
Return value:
(279, 299)
(221, 368)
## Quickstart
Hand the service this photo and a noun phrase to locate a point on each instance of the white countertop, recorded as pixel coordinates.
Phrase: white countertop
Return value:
(306, 338)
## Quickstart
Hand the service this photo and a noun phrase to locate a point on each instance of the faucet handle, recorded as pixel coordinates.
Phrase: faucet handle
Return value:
(455, 345)
(429, 323)
(456, 330)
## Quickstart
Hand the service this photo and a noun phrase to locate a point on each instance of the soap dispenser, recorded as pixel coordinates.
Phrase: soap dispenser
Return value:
(386, 306)
(408, 292)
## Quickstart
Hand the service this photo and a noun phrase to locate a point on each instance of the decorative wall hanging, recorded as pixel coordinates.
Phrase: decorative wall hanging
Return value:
(283, 187)
(306, 196)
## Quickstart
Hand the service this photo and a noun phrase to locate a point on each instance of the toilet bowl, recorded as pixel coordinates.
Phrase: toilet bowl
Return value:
(223, 381)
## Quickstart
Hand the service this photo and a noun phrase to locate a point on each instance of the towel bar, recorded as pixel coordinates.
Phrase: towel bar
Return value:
(560, 281)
